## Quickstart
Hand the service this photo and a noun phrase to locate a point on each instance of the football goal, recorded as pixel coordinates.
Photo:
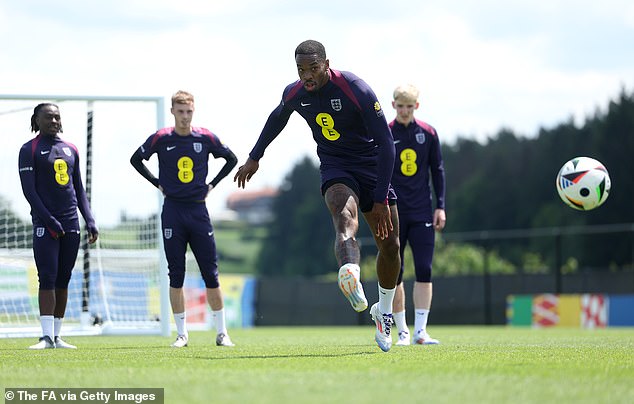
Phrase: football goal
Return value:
(120, 284)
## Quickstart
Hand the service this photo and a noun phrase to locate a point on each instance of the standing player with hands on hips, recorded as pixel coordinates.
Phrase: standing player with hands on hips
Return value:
(51, 182)
(183, 155)
(418, 156)
(356, 152)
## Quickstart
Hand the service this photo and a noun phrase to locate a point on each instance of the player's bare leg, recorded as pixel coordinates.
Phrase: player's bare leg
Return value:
(388, 260)
(177, 301)
(422, 303)
(343, 206)
(422, 294)
(388, 264)
(46, 301)
(399, 315)
(216, 302)
(399, 298)
(61, 298)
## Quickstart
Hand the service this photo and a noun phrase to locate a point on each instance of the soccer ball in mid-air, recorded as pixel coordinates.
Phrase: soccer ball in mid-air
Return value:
(583, 183)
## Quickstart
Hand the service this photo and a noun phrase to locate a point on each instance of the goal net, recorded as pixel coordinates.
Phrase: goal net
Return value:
(119, 284)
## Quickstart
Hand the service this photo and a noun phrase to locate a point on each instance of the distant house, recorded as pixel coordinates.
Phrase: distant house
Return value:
(254, 207)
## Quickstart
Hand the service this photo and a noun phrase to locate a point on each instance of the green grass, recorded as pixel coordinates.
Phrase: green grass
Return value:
(343, 365)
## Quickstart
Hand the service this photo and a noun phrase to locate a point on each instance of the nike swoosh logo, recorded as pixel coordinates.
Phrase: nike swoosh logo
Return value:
(169, 148)
(210, 233)
(397, 141)
(304, 105)
(428, 224)
(45, 151)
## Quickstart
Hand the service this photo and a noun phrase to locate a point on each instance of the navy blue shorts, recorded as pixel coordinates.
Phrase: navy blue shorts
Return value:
(362, 185)
(420, 234)
(54, 258)
(186, 223)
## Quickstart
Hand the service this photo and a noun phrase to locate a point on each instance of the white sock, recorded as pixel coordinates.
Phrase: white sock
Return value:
(181, 323)
(57, 325)
(420, 320)
(401, 323)
(219, 321)
(48, 326)
(386, 296)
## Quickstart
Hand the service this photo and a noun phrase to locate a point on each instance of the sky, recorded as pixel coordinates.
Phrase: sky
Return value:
(480, 66)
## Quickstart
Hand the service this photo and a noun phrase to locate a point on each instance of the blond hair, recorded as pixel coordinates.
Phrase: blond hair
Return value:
(407, 92)
(182, 97)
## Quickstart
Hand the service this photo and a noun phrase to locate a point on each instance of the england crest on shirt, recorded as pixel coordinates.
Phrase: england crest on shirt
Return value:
(67, 151)
(420, 137)
(198, 147)
(167, 233)
(335, 103)
(39, 231)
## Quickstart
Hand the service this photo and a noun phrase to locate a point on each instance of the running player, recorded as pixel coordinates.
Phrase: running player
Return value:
(183, 155)
(356, 151)
(51, 182)
(417, 156)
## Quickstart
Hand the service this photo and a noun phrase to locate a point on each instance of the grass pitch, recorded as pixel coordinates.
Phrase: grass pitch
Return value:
(343, 365)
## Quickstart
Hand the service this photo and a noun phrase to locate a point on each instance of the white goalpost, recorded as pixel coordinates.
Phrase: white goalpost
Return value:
(119, 285)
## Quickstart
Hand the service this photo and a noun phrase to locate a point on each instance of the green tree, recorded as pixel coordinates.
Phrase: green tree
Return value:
(300, 238)
(509, 183)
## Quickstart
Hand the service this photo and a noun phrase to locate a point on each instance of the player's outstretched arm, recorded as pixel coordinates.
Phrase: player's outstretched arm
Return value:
(245, 172)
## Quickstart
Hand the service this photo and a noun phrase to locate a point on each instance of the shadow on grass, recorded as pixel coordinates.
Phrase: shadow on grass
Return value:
(287, 356)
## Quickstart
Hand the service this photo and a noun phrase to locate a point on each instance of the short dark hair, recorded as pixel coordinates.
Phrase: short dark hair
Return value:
(311, 47)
